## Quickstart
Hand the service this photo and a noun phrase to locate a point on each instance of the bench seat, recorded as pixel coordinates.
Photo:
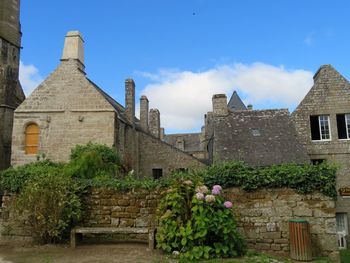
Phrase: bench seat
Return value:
(112, 230)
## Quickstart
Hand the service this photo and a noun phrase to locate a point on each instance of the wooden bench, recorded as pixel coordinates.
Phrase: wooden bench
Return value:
(112, 230)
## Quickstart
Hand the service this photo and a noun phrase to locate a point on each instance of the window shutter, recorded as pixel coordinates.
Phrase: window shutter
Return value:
(341, 125)
(315, 128)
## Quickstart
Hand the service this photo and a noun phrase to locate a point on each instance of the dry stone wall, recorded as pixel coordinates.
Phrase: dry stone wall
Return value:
(263, 216)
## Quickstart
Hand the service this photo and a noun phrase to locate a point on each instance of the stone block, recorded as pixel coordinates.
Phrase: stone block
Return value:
(141, 222)
(275, 247)
(302, 211)
(283, 211)
(125, 222)
(272, 235)
(123, 202)
(281, 241)
(115, 221)
(131, 209)
(325, 212)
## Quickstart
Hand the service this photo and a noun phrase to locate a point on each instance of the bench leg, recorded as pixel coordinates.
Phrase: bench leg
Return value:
(72, 239)
(151, 242)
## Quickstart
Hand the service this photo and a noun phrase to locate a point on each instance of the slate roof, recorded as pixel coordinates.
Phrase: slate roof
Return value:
(258, 137)
(116, 105)
(191, 140)
(236, 103)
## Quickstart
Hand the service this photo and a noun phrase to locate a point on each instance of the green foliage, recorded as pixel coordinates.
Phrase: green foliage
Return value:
(48, 205)
(90, 160)
(13, 179)
(305, 178)
(196, 227)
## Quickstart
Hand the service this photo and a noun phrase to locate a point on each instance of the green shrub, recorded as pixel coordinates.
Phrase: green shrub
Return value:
(90, 160)
(305, 178)
(13, 179)
(197, 224)
(47, 205)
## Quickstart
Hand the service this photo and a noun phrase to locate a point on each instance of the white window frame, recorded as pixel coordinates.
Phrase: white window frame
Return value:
(320, 131)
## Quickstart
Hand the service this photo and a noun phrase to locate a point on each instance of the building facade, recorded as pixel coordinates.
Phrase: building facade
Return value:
(68, 109)
(323, 124)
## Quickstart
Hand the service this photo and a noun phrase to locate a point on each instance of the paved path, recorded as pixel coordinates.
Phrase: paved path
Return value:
(123, 252)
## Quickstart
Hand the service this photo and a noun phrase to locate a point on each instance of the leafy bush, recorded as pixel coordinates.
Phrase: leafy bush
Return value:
(47, 205)
(13, 179)
(90, 160)
(197, 224)
(305, 178)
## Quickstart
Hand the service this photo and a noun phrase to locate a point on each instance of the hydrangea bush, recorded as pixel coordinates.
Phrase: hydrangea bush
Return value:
(196, 223)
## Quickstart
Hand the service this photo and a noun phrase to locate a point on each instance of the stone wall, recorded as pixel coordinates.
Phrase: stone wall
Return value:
(263, 218)
(262, 215)
(121, 209)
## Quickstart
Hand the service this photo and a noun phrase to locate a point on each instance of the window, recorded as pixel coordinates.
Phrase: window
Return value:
(320, 128)
(343, 125)
(32, 139)
(157, 173)
(317, 161)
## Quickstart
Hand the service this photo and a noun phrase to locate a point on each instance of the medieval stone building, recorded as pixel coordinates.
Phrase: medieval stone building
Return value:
(67, 109)
(323, 124)
(11, 94)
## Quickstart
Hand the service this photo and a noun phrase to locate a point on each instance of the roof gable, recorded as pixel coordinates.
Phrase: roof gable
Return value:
(67, 88)
(236, 103)
(329, 87)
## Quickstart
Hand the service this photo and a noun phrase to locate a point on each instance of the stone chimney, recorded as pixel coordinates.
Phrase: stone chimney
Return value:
(154, 122)
(130, 100)
(162, 134)
(144, 105)
(220, 105)
(180, 143)
(73, 47)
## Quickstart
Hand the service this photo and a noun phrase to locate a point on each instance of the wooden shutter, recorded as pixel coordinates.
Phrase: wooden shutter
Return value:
(32, 139)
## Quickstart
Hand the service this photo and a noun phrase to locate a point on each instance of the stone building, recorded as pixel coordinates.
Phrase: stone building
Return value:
(67, 109)
(11, 94)
(323, 124)
(234, 132)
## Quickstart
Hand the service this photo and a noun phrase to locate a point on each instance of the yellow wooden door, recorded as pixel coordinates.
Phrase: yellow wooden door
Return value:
(32, 139)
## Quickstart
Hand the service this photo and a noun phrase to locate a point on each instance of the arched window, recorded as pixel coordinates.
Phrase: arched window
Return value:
(32, 139)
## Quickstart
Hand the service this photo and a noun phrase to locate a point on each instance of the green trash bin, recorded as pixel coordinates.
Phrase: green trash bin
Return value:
(300, 240)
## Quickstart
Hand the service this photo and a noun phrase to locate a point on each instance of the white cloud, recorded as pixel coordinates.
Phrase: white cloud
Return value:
(29, 77)
(183, 97)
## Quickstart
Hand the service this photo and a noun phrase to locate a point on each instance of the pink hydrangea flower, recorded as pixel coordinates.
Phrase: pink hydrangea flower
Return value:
(200, 196)
(228, 204)
(210, 198)
(215, 191)
(218, 187)
(202, 189)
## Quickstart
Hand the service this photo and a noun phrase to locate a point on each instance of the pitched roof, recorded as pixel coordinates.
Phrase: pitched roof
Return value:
(116, 105)
(236, 103)
(191, 140)
(259, 137)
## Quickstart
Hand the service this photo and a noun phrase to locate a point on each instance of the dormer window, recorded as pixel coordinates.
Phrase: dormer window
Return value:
(320, 128)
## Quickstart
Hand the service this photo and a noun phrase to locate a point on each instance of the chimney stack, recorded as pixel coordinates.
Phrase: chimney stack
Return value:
(162, 134)
(220, 105)
(144, 105)
(154, 122)
(73, 47)
(130, 100)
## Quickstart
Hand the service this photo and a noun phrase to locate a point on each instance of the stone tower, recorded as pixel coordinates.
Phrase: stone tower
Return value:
(11, 93)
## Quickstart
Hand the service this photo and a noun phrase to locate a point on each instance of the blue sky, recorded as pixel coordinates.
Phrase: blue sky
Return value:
(181, 52)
